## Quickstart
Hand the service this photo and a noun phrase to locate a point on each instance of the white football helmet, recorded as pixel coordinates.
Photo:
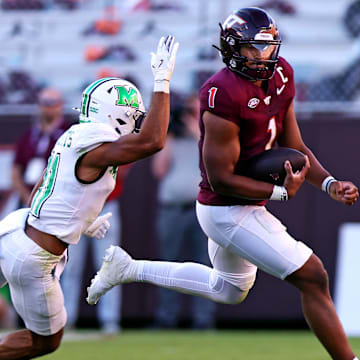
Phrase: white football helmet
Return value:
(113, 101)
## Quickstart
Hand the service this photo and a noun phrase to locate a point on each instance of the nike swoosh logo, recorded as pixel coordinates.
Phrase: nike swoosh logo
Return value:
(279, 91)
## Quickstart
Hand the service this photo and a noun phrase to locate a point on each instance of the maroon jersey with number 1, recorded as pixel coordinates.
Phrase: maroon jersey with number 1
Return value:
(258, 113)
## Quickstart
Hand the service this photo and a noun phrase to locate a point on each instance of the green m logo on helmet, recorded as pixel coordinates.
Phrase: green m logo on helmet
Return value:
(127, 97)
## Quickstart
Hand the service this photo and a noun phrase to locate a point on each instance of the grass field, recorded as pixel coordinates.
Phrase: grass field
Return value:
(186, 345)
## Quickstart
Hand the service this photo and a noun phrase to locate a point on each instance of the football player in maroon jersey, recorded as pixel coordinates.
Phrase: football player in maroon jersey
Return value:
(246, 108)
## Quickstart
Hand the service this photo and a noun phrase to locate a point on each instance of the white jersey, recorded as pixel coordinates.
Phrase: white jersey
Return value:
(64, 206)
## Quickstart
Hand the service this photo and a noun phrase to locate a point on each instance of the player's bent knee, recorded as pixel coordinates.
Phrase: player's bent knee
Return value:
(321, 278)
(233, 295)
(239, 298)
(227, 292)
(311, 275)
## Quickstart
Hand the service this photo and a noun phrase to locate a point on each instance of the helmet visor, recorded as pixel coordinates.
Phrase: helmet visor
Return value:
(263, 47)
(263, 42)
(258, 51)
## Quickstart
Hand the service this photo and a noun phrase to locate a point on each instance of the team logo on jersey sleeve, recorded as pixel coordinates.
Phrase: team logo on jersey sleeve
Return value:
(253, 103)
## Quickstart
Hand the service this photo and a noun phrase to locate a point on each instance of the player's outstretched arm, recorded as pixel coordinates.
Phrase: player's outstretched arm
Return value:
(342, 191)
(152, 137)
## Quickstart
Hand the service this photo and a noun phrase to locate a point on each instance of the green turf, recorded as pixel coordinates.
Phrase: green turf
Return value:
(184, 345)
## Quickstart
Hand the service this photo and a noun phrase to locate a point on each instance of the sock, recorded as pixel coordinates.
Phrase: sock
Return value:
(188, 278)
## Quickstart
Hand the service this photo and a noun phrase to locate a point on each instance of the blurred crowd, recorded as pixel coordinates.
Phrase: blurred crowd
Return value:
(76, 4)
(177, 232)
(108, 33)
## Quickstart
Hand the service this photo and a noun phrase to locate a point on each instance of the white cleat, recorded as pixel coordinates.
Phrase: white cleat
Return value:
(117, 268)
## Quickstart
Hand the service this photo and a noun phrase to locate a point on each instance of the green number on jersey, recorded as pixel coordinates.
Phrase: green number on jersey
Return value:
(113, 172)
(47, 186)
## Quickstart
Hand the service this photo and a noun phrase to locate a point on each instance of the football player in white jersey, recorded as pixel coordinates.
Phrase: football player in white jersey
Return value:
(67, 200)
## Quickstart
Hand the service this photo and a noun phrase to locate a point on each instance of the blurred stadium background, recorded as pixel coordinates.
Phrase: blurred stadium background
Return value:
(69, 43)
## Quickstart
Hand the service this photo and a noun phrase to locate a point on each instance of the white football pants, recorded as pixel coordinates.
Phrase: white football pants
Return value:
(241, 239)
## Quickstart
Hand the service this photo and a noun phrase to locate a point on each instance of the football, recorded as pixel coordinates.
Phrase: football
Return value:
(268, 166)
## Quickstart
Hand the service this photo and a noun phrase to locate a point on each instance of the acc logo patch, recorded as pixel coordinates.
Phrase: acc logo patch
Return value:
(253, 103)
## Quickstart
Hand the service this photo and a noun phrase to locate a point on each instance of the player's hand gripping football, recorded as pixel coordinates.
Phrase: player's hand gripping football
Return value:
(99, 227)
(163, 62)
(344, 191)
(293, 181)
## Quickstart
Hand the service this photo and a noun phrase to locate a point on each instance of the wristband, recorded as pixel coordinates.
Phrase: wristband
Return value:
(162, 86)
(279, 193)
(325, 186)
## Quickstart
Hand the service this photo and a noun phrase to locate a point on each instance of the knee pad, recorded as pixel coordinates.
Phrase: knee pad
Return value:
(225, 291)
(242, 281)
(234, 295)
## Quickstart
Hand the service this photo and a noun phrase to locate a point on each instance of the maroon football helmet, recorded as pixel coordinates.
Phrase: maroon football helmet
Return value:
(250, 26)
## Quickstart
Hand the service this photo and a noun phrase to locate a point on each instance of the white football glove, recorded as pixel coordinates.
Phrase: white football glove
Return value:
(99, 227)
(163, 62)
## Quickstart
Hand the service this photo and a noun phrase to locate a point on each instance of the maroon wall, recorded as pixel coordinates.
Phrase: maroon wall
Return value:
(311, 216)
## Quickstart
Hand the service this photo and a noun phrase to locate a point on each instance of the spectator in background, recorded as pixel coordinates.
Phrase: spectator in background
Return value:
(34, 146)
(31, 153)
(108, 310)
(176, 166)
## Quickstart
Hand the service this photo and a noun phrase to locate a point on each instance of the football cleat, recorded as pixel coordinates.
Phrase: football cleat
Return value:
(117, 268)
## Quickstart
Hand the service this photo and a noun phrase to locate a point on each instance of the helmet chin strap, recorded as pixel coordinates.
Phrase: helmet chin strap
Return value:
(256, 74)
(139, 118)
